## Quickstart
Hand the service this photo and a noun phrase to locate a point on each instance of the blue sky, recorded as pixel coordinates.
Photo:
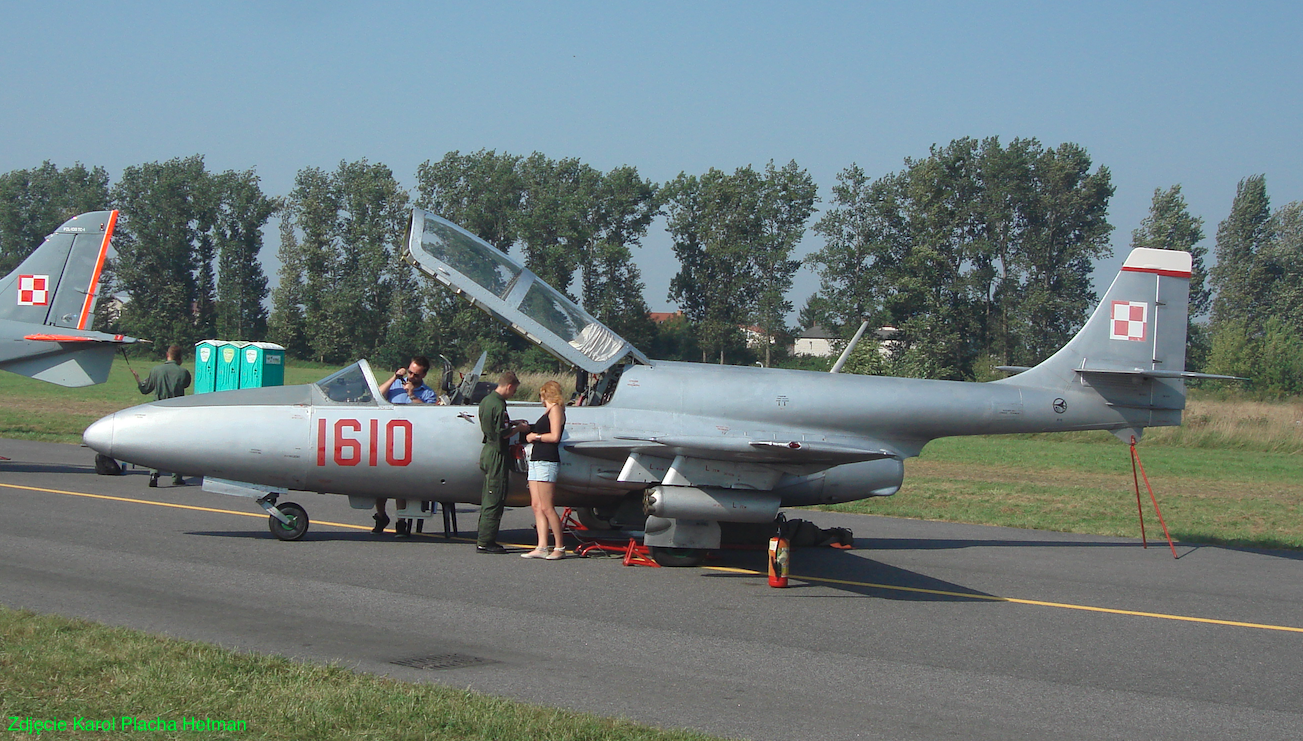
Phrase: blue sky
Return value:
(1160, 93)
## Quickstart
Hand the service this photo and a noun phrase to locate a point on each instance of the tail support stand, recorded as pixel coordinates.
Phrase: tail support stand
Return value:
(1137, 465)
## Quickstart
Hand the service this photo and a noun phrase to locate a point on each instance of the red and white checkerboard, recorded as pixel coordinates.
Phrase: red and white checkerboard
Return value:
(1130, 321)
(33, 290)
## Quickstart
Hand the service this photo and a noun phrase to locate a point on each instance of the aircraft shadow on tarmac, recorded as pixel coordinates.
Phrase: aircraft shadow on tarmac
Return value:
(831, 569)
(44, 468)
(874, 579)
(322, 536)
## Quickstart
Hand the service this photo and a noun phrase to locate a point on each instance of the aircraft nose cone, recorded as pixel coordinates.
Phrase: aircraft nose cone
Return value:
(99, 436)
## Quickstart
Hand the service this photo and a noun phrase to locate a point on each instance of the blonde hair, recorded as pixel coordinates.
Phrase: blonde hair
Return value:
(551, 392)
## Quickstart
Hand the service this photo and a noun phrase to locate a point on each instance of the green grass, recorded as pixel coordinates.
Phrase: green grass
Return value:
(1233, 497)
(55, 667)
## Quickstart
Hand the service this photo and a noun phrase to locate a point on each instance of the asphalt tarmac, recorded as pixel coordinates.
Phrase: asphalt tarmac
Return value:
(927, 630)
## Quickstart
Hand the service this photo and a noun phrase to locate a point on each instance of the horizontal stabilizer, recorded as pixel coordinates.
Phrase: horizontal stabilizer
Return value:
(97, 337)
(1155, 374)
(84, 366)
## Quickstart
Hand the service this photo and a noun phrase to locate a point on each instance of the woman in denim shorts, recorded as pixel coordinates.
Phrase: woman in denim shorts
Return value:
(544, 459)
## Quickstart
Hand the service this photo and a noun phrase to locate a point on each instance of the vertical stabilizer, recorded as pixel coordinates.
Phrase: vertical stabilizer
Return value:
(1137, 330)
(57, 285)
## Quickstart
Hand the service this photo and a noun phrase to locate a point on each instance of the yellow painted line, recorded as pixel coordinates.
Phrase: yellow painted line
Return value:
(735, 570)
(1016, 601)
(206, 509)
(174, 506)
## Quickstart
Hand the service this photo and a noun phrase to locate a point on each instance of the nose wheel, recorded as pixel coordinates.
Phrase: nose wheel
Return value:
(287, 521)
(297, 526)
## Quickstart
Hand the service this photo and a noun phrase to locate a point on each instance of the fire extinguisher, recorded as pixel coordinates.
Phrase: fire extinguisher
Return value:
(780, 555)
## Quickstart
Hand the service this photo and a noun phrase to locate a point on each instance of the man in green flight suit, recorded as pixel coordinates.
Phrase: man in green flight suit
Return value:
(167, 380)
(497, 429)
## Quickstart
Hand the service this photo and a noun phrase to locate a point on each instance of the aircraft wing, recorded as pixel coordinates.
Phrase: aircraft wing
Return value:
(740, 450)
(506, 290)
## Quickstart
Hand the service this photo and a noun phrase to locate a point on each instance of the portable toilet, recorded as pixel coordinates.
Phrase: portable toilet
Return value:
(228, 366)
(262, 364)
(206, 365)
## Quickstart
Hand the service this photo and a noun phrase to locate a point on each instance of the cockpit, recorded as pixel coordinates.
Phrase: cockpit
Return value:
(351, 385)
(502, 287)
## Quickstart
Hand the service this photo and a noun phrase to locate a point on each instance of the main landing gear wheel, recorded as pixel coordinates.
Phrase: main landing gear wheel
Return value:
(678, 557)
(298, 522)
(589, 518)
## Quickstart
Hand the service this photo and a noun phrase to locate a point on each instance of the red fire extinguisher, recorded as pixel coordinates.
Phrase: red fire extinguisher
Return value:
(780, 556)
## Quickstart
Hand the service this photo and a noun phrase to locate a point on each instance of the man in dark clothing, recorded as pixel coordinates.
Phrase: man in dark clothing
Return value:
(497, 429)
(167, 380)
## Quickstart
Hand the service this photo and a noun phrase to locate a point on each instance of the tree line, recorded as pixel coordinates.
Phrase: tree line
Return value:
(980, 254)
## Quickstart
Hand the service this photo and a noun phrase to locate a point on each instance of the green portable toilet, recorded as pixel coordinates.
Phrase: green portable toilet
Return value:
(206, 365)
(228, 366)
(262, 364)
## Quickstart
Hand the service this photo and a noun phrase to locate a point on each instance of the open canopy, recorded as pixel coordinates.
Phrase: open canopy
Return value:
(495, 282)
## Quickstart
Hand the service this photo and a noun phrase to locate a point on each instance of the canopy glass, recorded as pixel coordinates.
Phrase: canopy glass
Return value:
(494, 281)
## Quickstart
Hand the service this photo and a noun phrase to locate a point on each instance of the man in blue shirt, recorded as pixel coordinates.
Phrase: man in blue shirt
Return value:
(412, 390)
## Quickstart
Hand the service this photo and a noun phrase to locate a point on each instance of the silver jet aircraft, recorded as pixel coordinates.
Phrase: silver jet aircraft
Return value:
(687, 446)
(47, 305)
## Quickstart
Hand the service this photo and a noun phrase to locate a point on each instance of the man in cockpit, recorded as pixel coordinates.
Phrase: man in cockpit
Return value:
(412, 390)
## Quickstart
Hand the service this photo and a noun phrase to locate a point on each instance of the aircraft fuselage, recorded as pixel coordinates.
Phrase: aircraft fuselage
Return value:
(278, 438)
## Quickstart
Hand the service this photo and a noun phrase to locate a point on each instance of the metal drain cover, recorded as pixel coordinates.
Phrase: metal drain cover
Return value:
(443, 661)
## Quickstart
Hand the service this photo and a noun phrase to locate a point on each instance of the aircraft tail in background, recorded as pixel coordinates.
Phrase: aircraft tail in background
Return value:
(47, 306)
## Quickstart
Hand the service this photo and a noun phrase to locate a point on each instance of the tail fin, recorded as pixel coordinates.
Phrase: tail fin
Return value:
(1131, 352)
(1140, 324)
(48, 303)
(57, 285)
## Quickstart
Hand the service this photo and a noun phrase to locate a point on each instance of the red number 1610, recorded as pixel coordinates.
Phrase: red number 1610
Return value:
(348, 450)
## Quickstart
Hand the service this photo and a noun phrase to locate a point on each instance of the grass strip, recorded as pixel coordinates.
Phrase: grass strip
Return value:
(1207, 496)
(55, 667)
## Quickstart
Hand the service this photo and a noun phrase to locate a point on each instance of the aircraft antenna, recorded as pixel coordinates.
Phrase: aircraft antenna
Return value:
(850, 346)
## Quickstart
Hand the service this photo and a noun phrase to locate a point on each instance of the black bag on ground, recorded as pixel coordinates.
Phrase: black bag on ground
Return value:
(106, 466)
(805, 534)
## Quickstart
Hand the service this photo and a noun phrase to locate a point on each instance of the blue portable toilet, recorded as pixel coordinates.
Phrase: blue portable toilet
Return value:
(228, 366)
(262, 364)
(206, 365)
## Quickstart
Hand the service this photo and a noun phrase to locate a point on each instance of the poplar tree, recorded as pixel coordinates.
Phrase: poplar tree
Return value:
(1241, 275)
(242, 212)
(340, 264)
(787, 198)
(1169, 226)
(714, 220)
(161, 241)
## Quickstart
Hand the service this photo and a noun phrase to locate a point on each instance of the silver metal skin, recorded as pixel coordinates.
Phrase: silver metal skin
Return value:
(690, 444)
(48, 302)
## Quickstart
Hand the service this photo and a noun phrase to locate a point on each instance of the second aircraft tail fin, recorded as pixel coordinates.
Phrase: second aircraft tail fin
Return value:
(58, 284)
